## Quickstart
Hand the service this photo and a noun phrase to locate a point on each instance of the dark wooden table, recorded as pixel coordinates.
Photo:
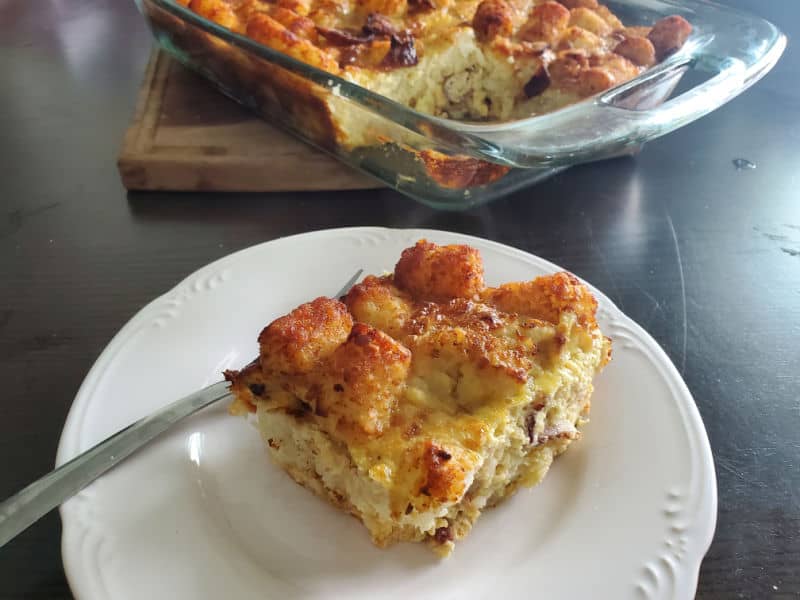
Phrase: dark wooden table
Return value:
(706, 257)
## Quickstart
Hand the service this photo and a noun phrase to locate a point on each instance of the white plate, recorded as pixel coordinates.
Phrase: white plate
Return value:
(628, 512)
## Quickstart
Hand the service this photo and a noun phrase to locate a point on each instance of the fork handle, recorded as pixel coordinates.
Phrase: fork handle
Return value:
(29, 505)
(32, 503)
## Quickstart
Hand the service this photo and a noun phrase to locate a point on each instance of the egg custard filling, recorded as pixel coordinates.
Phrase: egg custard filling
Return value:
(423, 397)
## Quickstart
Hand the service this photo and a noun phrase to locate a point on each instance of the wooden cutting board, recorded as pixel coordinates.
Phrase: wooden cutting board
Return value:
(186, 136)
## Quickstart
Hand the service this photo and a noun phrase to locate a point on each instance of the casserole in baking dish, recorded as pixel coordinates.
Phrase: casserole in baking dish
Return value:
(459, 105)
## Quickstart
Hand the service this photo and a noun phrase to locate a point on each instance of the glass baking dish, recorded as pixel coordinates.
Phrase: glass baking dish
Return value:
(453, 164)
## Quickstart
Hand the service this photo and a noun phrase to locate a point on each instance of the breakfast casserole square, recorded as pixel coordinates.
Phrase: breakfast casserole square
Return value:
(423, 397)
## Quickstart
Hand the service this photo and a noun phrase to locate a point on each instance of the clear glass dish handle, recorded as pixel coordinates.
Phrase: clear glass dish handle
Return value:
(618, 119)
(732, 74)
(29, 505)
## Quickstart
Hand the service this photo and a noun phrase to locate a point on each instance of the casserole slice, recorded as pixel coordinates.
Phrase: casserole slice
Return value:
(423, 397)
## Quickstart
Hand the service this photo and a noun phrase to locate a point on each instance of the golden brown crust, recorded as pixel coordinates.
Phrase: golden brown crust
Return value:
(336, 34)
(263, 28)
(295, 22)
(577, 38)
(493, 18)
(545, 298)
(431, 272)
(669, 34)
(589, 20)
(297, 342)
(460, 329)
(609, 17)
(442, 474)
(219, 12)
(380, 303)
(348, 374)
(637, 49)
(363, 381)
(466, 331)
(459, 172)
(546, 23)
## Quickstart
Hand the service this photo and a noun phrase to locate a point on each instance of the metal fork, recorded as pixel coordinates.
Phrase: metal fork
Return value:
(36, 500)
